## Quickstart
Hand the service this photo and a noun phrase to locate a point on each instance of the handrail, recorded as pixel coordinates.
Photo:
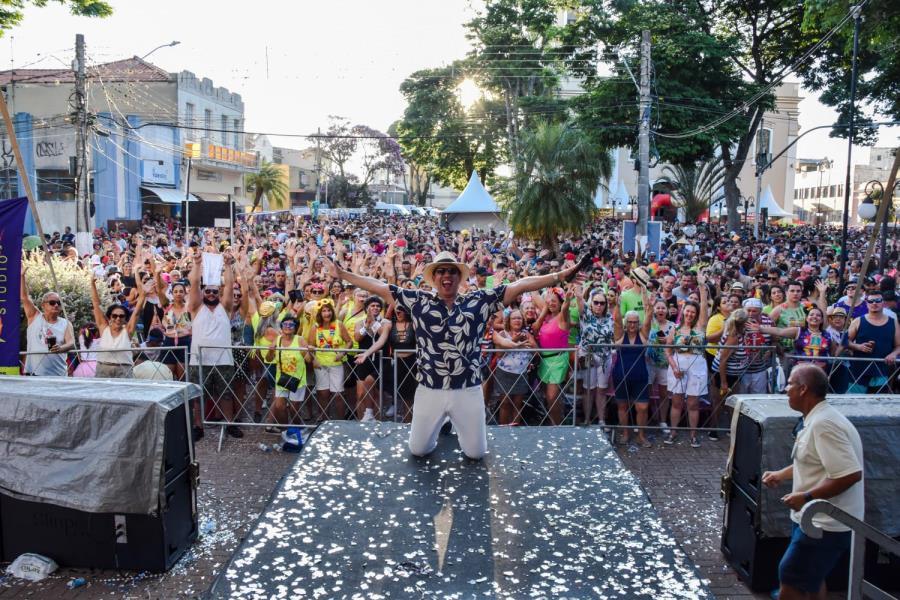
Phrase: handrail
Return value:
(857, 586)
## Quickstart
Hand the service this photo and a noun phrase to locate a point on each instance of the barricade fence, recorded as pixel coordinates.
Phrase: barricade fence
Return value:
(160, 363)
(623, 387)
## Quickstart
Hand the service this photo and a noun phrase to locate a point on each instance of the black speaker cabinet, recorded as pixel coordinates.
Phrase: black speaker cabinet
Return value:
(746, 472)
(176, 444)
(753, 556)
(104, 541)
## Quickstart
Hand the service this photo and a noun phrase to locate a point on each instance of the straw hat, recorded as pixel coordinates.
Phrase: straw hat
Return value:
(444, 259)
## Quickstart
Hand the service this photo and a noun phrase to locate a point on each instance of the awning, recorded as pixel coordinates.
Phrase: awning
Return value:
(166, 195)
(211, 197)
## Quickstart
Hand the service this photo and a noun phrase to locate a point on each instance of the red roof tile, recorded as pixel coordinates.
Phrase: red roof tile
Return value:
(129, 69)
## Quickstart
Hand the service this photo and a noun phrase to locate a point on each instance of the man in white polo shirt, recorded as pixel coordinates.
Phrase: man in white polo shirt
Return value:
(827, 465)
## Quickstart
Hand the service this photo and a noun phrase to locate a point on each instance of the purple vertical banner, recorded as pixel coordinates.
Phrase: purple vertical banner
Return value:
(12, 219)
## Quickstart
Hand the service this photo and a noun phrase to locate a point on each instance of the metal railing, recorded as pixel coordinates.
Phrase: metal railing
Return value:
(857, 586)
(161, 363)
(564, 386)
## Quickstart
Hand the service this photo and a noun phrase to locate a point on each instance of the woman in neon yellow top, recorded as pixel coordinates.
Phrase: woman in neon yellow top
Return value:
(328, 335)
(289, 353)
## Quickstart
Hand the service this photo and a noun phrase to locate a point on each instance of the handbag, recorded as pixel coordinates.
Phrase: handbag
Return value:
(288, 382)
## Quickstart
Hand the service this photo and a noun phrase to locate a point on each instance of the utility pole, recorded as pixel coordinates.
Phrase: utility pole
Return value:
(318, 162)
(644, 141)
(82, 187)
(857, 20)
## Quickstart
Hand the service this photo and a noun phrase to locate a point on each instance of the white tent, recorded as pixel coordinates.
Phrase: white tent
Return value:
(474, 209)
(768, 201)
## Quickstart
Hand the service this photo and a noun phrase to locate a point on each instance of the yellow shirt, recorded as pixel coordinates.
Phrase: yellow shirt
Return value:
(290, 362)
(715, 324)
(326, 338)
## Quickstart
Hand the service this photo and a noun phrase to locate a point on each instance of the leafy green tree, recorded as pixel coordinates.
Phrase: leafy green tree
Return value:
(12, 11)
(555, 189)
(515, 55)
(695, 186)
(878, 81)
(715, 65)
(441, 136)
(269, 180)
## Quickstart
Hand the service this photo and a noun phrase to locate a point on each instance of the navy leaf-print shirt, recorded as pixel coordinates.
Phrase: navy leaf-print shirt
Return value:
(449, 339)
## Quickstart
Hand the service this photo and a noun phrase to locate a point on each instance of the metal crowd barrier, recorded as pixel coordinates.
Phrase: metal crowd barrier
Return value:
(243, 393)
(161, 363)
(856, 374)
(650, 383)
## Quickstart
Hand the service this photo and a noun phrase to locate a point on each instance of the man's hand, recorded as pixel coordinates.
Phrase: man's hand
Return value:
(795, 501)
(330, 268)
(772, 479)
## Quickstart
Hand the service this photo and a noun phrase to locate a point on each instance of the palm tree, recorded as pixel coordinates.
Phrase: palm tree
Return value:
(695, 186)
(269, 180)
(557, 184)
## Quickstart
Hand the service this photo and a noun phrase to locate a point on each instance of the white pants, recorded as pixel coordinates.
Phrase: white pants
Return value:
(465, 408)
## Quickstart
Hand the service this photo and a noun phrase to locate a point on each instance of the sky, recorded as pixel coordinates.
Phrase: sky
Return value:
(297, 62)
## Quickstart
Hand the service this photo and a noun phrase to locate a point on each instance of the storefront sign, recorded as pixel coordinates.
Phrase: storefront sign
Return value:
(158, 172)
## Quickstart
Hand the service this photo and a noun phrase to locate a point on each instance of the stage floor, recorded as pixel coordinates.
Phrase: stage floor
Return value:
(549, 513)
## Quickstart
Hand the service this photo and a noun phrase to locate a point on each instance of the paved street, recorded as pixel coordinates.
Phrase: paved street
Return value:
(235, 485)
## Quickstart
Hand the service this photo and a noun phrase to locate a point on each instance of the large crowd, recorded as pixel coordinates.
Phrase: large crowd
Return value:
(666, 336)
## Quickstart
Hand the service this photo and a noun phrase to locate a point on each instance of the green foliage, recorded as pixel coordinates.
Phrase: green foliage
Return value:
(348, 192)
(269, 180)
(878, 81)
(74, 286)
(558, 182)
(693, 80)
(12, 11)
(438, 134)
(517, 57)
(695, 186)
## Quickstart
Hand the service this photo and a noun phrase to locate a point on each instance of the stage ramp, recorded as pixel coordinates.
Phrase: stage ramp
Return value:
(550, 512)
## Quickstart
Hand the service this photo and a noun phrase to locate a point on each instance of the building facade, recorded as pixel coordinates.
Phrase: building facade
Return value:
(819, 190)
(140, 118)
(779, 128)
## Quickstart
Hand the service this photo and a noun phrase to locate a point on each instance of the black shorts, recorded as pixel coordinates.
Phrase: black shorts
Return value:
(175, 357)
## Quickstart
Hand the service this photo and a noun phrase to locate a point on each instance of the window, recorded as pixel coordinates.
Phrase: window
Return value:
(207, 121)
(224, 131)
(237, 134)
(9, 183)
(189, 114)
(55, 184)
(840, 191)
(832, 190)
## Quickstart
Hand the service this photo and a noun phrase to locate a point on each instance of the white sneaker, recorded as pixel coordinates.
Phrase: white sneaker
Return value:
(390, 411)
(664, 426)
(368, 416)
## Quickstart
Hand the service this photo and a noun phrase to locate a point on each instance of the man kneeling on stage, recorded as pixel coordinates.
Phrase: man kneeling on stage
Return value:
(448, 330)
(827, 465)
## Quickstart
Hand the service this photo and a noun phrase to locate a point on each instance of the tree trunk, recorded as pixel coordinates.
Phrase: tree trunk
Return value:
(732, 197)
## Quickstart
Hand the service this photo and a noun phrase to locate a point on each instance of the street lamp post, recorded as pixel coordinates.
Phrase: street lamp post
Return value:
(172, 43)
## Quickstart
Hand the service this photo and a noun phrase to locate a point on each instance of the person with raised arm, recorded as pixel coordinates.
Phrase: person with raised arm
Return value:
(449, 328)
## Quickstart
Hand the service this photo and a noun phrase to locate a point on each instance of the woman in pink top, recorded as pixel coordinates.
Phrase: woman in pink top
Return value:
(553, 332)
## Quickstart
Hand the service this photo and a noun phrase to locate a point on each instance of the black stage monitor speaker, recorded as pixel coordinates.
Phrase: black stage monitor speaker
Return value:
(753, 556)
(75, 538)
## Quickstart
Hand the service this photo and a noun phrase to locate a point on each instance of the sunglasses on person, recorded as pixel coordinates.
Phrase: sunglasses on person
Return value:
(211, 292)
(289, 325)
(53, 302)
(441, 271)
(599, 302)
(118, 316)
(874, 300)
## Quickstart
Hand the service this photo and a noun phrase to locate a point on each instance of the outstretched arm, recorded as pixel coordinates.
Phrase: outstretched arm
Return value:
(534, 283)
(371, 285)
